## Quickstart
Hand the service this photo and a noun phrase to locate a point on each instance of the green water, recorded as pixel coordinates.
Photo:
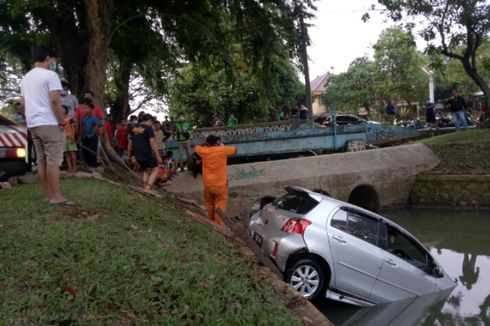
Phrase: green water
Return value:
(460, 242)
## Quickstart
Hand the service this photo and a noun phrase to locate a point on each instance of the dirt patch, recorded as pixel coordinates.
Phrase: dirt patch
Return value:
(80, 212)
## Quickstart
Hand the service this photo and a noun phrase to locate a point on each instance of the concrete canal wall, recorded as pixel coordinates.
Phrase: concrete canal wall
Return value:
(374, 179)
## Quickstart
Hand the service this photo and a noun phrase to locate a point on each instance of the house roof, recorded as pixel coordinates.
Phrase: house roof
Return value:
(318, 84)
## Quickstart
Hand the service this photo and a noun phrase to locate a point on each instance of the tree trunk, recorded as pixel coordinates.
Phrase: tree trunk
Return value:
(99, 18)
(121, 106)
(71, 47)
(306, 69)
(477, 78)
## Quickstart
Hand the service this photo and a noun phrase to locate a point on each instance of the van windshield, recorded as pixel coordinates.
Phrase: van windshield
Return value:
(295, 202)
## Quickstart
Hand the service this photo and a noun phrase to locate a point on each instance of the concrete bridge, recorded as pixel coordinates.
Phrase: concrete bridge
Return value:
(374, 179)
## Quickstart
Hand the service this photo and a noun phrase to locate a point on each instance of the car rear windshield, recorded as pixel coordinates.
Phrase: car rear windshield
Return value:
(295, 202)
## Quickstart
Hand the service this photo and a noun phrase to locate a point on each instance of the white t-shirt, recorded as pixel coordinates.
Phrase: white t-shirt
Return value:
(35, 88)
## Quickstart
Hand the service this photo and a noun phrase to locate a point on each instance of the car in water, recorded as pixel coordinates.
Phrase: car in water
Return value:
(328, 248)
(13, 149)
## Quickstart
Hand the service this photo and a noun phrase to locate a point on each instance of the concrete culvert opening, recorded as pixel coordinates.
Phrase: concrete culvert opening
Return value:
(366, 197)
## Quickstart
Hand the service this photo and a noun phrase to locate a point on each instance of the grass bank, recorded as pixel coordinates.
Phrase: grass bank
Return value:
(119, 259)
(465, 152)
(462, 178)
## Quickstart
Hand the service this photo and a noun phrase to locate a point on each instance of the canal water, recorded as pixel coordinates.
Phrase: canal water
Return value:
(460, 242)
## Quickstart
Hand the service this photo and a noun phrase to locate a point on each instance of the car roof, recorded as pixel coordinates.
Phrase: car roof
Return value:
(335, 203)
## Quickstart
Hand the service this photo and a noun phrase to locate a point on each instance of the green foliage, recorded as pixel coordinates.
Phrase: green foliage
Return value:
(356, 87)
(399, 64)
(103, 263)
(203, 92)
(456, 29)
(452, 73)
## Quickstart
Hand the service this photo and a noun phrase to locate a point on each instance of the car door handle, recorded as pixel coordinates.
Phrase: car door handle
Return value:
(390, 262)
(339, 239)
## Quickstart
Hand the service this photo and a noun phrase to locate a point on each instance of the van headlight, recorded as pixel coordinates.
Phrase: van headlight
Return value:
(20, 152)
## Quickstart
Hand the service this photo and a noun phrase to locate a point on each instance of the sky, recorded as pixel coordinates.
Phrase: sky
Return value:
(340, 36)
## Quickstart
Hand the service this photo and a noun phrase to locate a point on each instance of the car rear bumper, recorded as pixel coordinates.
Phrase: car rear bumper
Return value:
(278, 245)
(12, 167)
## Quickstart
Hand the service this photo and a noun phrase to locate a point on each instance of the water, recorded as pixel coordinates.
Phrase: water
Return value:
(460, 242)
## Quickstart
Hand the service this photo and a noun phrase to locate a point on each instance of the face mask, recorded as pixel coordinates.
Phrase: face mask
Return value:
(181, 119)
(52, 67)
(133, 122)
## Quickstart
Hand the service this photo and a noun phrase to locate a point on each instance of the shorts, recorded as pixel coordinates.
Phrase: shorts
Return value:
(70, 145)
(49, 142)
(148, 164)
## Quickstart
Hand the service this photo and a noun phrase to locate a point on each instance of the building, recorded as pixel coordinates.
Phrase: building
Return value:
(318, 86)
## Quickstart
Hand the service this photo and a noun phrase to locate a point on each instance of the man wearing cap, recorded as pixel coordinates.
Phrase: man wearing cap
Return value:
(40, 91)
(214, 158)
(68, 99)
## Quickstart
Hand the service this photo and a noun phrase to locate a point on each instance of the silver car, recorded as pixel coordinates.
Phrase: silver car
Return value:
(326, 247)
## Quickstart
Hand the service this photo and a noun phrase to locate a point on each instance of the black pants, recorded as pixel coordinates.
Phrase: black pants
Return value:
(89, 150)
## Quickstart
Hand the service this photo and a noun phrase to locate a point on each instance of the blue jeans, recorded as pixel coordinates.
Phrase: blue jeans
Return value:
(459, 118)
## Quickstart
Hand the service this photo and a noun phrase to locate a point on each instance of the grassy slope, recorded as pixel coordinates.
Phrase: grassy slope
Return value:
(120, 259)
(466, 152)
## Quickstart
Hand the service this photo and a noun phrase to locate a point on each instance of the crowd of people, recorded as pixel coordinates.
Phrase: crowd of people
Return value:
(66, 130)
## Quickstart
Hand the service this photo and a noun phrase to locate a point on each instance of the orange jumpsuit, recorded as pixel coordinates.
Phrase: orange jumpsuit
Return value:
(214, 177)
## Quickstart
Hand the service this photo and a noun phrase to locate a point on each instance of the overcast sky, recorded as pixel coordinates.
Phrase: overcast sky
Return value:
(339, 35)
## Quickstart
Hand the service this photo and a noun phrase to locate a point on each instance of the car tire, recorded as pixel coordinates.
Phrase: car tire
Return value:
(308, 277)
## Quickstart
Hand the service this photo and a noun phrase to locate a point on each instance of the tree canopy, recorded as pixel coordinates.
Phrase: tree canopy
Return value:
(149, 39)
(205, 92)
(455, 28)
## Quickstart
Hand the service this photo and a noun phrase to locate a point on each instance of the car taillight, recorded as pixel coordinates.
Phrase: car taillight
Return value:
(296, 225)
(20, 152)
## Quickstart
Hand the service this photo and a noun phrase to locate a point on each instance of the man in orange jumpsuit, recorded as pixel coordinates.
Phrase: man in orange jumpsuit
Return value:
(214, 159)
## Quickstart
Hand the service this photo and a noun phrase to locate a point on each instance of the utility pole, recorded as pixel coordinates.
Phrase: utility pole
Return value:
(304, 59)
(430, 73)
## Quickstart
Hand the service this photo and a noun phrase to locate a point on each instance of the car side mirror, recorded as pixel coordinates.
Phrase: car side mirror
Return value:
(436, 271)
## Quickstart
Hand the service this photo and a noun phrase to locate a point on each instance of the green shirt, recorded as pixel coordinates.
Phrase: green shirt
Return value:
(232, 122)
(183, 130)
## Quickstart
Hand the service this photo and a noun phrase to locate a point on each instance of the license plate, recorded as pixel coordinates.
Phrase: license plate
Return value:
(258, 239)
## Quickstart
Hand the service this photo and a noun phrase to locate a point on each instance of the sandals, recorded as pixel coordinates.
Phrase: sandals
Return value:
(65, 202)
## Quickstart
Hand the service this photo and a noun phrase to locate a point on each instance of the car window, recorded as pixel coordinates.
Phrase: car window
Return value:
(360, 226)
(295, 202)
(339, 220)
(407, 249)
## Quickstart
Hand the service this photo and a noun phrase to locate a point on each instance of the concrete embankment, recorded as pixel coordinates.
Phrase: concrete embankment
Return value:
(465, 191)
(374, 179)
(462, 178)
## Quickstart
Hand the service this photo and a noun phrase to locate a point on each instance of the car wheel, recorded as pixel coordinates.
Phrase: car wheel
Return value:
(308, 277)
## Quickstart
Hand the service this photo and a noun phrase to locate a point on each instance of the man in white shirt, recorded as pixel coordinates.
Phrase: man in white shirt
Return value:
(40, 90)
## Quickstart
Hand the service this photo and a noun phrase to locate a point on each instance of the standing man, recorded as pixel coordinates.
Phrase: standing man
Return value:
(183, 131)
(142, 143)
(457, 105)
(232, 121)
(390, 111)
(68, 99)
(40, 91)
(214, 159)
(168, 128)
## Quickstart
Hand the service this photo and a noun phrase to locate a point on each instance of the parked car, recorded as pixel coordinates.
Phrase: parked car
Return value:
(326, 247)
(13, 149)
(341, 120)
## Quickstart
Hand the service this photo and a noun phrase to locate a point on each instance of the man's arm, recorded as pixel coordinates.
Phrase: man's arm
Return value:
(22, 106)
(231, 150)
(130, 148)
(56, 105)
(154, 147)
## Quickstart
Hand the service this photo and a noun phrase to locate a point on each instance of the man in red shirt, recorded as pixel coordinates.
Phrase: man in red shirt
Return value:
(122, 138)
(214, 158)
